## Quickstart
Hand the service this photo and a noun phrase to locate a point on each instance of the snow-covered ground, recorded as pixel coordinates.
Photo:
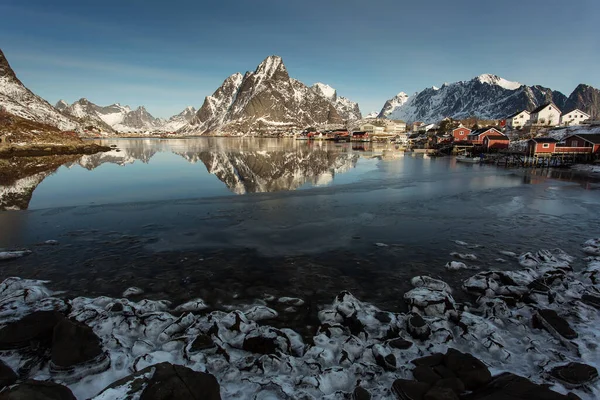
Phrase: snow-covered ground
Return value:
(353, 344)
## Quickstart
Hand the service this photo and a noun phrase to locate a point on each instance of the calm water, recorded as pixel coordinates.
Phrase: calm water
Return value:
(228, 219)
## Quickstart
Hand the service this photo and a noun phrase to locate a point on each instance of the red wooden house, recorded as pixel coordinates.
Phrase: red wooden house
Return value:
(541, 146)
(476, 136)
(495, 142)
(582, 143)
(460, 134)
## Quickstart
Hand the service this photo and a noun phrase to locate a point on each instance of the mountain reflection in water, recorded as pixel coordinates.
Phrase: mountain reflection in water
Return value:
(243, 165)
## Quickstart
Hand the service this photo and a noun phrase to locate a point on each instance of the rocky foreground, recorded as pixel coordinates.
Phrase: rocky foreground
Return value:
(526, 334)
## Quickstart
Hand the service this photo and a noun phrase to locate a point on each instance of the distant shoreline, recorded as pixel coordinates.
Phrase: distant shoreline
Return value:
(42, 149)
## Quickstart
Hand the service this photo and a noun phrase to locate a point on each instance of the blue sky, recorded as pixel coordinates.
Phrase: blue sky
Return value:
(168, 55)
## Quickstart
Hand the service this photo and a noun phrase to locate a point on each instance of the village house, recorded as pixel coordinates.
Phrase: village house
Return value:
(361, 136)
(543, 146)
(372, 129)
(575, 117)
(518, 120)
(582, 143)
(395, 126)
(547, 114)
(402, 138)
(476, 137)
(416, 125)
(460, 134)
(495, 142)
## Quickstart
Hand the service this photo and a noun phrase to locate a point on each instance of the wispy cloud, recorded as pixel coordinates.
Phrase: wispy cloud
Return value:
(120, 69)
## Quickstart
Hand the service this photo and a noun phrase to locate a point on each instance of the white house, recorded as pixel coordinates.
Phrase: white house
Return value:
(395, 126)
(546, 114)
(402, 138)
(367, 128)
(518, 120)
(575, 117)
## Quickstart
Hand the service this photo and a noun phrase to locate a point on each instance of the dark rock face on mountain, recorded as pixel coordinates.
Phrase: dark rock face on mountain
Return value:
(265, 99)
(486, 97)
(16, 99)
(140, 119)
(586, 99)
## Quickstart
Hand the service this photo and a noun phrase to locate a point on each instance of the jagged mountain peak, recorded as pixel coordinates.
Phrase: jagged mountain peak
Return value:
(270, 66)
(61, 105)
(5, 68)
(325, 90)
(492, 79)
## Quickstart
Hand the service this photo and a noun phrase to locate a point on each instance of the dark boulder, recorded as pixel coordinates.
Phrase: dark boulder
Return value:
(167, 381)
(202, 342)
(74, 343)
(267, 341)
(417, 327)
(383, 317)
(590, 300)
(426, 375)
(508, 386)
(400, 344)
(575, 374)
(37, 390)
(452, 383)
(554, 324)
(472, 372)
(7, 375)
(430, 360)
(36, 328)
(440, 393)
(361, 393)
(409, 390)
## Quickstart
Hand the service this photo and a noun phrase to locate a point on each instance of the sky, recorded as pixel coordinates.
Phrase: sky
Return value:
(169, 55)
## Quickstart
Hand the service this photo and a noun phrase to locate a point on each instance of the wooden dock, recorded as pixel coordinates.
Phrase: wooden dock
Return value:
(509, 159)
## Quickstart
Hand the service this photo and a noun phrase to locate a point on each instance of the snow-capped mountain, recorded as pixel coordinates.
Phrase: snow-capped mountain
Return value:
(392, 104)
(486, 96)
(178, 121)
(372, 115)
(348, 109)
(85, 112)
(118, 118)
(265, 99)
(16, 99)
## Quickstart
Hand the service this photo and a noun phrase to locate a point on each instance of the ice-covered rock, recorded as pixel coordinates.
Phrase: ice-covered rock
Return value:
(260, 313)
(11, 255)
(192, 305)
(592, 247)
(133, 291)
(457, 266)
(430, 283)
(430, 302)
(464, 256)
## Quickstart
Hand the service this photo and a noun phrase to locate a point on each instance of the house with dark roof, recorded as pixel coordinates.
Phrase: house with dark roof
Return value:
(575, 117)
(542, 146)
(518, 119)
(547, 114)
(581, 143)
(476, 137)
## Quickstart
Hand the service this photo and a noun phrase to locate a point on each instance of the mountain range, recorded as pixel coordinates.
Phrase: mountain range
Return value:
(268, 99)
(486, 97)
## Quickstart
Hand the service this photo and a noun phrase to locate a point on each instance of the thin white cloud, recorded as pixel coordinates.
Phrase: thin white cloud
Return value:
(118, 69)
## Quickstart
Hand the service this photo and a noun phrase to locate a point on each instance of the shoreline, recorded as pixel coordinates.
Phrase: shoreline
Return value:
(41, 149)
(534, 322)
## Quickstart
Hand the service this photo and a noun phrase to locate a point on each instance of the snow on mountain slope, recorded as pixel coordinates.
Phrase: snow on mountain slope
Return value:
(325, 90)
(496, 80)
(178, 121)
(121, 118)
(486, 96)
(392, 104)
(16, 99)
